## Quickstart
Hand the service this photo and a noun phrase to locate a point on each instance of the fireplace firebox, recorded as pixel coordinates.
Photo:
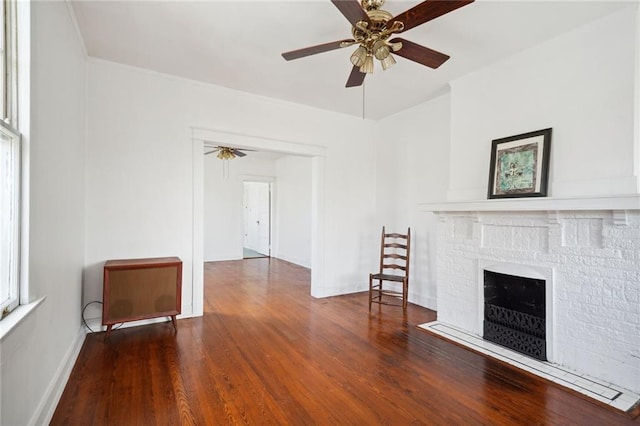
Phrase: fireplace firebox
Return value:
(514, 313)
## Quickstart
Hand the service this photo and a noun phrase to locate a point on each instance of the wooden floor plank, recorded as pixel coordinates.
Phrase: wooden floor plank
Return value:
(266, 352)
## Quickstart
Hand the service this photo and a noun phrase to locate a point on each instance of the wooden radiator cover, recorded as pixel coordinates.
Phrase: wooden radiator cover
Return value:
(136, 289)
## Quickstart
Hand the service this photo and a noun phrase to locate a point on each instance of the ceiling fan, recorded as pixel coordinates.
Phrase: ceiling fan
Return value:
(373, 29)
(226, 152)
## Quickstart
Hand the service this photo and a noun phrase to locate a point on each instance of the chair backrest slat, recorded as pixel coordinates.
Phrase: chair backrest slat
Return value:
(394, 235)
(394, 266)
(394, 251)
(396, 245)
(395, 256)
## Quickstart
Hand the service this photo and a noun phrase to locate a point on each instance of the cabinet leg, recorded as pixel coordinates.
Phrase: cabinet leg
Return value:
(175, 323)
(108, 331)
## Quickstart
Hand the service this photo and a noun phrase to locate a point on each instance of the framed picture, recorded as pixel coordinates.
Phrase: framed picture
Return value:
(520, 165)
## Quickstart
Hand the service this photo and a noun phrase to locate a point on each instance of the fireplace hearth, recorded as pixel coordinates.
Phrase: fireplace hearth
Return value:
(514, 313)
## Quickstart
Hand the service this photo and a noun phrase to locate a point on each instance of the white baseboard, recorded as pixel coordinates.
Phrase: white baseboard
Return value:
(323, 292)
(224, 257)
(46, 408)
(305, 263)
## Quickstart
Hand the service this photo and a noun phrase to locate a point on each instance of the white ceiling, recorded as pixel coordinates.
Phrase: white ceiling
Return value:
(237, 44)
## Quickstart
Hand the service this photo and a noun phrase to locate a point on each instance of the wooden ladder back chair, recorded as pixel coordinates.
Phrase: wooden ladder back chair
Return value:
(395, 251)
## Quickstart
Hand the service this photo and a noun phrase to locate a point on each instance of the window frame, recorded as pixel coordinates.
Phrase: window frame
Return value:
(9, 62)
(15, 176)
(13, 223)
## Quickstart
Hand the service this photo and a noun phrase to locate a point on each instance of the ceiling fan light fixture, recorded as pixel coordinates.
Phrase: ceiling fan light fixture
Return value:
(380, 50)
(367, 66)
(359, 56)
(388, 62)
(226, 154)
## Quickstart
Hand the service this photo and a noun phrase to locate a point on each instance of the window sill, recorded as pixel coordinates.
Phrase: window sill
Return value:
(9, 322)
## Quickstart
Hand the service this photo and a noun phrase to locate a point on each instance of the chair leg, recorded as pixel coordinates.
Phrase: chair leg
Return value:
(405, 290)
(370, 290)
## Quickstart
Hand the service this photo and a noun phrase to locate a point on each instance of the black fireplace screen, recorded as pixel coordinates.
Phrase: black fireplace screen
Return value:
(514, 313)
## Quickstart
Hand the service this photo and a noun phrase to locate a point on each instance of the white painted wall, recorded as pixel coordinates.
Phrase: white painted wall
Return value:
(223, 203)
(412, 168)
(37, 355)
(293, 210)
(581, 84)
(141, 179)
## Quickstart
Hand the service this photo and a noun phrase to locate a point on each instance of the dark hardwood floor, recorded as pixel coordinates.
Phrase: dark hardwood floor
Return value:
(266, 352)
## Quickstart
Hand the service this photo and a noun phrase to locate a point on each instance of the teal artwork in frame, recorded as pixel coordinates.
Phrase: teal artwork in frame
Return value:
(517, 169)
(519, 165)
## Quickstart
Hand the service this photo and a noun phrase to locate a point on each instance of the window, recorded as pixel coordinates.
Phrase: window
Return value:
(10, 161)
(9, 218)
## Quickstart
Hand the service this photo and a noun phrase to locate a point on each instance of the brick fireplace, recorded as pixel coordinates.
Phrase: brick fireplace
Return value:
(587, 253)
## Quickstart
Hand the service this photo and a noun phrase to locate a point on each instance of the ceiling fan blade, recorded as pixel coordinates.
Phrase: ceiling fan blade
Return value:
(238, 153)
(211, 152)
(352, 10)
(426, 11)
(420, 54)
(356, 78)
(312, 50)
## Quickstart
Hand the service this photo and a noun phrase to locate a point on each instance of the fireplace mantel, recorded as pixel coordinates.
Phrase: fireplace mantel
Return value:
(549, 204)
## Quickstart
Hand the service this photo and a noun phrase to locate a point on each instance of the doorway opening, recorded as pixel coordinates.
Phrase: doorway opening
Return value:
(257, 220)
(194, 295)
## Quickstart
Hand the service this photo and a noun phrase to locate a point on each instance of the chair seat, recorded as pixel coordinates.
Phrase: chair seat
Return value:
(388, 277)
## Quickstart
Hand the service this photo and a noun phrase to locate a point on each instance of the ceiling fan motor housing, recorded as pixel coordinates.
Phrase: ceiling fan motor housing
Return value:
(378, 18)
(372, 4)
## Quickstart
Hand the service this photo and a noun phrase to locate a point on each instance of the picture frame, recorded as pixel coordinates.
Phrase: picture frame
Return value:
(519, 165)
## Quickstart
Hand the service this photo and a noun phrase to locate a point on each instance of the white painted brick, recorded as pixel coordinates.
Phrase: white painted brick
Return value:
(597, 281)
(632, 295)
(630, 255)
(621, 233)
(582, 232)
(622, 244)
(462, 227)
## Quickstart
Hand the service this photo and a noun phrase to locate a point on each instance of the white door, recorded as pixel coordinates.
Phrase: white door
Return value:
(257, 216)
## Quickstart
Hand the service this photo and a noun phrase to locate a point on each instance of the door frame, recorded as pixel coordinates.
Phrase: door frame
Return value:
(221, 137)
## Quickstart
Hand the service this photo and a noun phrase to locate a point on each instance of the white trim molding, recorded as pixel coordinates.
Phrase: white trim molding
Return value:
(614, 203)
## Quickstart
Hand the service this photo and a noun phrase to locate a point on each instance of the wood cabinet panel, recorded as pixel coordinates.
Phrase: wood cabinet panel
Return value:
(137, 289)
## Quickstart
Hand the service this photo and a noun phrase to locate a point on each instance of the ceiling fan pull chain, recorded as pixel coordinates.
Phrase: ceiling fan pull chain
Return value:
(225, 169)
(363, 104)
